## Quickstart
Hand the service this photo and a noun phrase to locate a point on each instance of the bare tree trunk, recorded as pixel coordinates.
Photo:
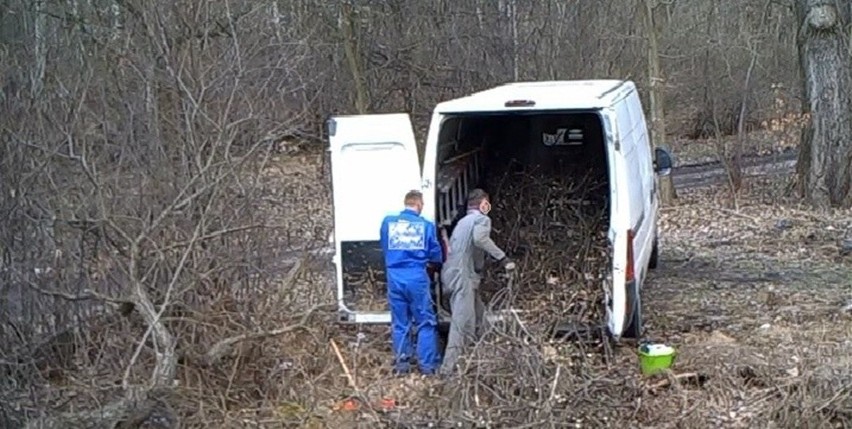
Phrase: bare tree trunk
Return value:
(116, 20)
(555, 9)
(736, 174)
(655, 77)
(350, 46)
(276, 19)
(513, 11)
(74, 13)
(39, 48)
(825, 153)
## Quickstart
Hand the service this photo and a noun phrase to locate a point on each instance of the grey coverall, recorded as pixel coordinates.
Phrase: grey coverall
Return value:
(460, 278)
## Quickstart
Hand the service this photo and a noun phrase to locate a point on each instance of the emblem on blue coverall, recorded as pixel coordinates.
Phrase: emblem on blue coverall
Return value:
(404, 235)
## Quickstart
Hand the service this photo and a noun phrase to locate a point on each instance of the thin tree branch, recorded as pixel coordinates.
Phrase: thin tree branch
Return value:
(223, 347)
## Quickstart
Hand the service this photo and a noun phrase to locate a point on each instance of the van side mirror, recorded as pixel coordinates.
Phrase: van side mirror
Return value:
(662, 162)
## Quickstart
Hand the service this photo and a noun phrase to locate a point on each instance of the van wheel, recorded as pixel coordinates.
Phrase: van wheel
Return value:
(634, 328)
(655, 255)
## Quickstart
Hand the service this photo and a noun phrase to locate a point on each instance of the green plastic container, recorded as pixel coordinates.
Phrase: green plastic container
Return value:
(655, 358)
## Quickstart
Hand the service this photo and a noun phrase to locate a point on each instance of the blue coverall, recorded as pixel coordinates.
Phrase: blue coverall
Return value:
(409, 243)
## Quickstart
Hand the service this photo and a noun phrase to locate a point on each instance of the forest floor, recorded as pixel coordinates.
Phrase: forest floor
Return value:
(753, 291)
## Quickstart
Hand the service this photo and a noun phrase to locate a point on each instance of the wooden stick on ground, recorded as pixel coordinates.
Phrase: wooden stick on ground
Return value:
(694, 376)
(343, 364)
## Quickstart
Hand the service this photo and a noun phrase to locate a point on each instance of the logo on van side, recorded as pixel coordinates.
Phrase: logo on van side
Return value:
(563, 137)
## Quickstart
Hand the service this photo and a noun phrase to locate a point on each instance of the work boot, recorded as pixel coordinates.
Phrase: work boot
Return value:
(403, 367)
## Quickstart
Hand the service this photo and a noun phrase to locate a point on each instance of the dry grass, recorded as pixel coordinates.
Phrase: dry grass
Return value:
(754, 298)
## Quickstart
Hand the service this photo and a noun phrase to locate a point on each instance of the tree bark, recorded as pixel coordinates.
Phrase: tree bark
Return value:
(825, 150)
(39, 48)
(513, 8)
(350, 46)
(656, 79)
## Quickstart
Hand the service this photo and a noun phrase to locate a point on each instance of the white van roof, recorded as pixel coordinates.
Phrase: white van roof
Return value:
(547, 95)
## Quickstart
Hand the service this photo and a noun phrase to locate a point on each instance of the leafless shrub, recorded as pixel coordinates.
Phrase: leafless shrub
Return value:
(140, 233)
(555, 225)
(163, 214)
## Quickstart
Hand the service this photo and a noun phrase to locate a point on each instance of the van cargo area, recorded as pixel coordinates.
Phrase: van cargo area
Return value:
(548, 178)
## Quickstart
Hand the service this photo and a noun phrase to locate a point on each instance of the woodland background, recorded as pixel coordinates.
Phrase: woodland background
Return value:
(148, 239)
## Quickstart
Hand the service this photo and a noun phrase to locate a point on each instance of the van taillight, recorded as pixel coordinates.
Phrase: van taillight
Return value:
(630, 271)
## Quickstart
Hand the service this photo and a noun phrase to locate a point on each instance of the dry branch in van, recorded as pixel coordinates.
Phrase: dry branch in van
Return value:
(555, 228)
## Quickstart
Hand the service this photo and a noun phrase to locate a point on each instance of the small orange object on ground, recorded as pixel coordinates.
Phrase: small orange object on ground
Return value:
(387, 404)
(348, 404)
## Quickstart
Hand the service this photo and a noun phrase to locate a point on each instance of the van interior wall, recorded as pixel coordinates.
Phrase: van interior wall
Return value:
(547, 177)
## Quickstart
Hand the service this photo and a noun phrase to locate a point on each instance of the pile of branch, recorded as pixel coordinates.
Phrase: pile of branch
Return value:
(555, 228)
(511, 381)
(365, 287)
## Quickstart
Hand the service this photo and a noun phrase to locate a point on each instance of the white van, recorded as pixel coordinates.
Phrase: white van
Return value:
(375, 161)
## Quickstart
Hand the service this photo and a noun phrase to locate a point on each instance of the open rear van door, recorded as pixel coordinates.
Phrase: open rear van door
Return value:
(614, 285)
(374, 162)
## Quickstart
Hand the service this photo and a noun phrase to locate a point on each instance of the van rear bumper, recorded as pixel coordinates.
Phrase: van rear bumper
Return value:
(363, 317)
(348, 317)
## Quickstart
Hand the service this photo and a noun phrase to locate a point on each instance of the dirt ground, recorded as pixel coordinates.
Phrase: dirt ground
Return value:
(755, 297)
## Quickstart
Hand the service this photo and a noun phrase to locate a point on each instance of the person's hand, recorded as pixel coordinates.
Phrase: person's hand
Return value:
(508, 264)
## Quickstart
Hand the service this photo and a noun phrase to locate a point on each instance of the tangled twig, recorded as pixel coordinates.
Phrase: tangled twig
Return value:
(554, 226)
(557, 231)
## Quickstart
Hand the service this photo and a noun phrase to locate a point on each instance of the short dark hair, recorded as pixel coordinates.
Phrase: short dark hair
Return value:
(476, 197)
(413, 196)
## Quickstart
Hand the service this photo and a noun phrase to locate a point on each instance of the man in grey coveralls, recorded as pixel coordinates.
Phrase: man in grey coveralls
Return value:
(461, 275)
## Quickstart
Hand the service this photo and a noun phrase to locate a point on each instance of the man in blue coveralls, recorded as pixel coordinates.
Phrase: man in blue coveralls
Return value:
(410, 244)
